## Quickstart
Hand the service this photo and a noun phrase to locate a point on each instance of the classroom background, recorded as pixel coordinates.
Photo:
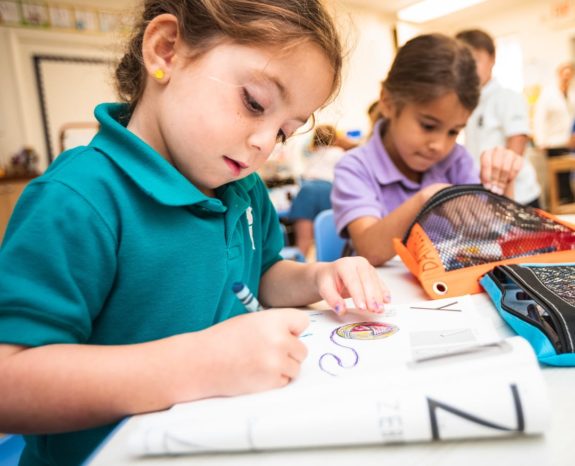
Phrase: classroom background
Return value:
(56, 60)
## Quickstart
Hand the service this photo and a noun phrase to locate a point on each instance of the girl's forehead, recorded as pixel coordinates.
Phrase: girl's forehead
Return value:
(260, 62)
(446, 107)
(287, 69)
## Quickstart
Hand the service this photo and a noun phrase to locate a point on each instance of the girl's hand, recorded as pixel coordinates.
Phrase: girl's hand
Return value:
(499, 167)
(351, 277)
(252, 352)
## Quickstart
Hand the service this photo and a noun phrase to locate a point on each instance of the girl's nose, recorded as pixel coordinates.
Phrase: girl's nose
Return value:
(263, 140)
(438, 144)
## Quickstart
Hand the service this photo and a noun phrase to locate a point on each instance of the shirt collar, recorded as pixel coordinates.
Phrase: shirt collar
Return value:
(385, 171)
(147, 168)
(489, 87)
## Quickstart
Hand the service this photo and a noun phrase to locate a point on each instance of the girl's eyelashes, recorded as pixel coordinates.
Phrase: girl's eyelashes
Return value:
(428, 127)
(256, 108)
(281, 137)
(252, 104)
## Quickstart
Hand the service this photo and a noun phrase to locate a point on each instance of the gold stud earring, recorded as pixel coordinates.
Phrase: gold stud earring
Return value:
(159, 74)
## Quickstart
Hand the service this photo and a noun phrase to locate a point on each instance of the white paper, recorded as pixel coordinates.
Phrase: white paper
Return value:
(435, 375)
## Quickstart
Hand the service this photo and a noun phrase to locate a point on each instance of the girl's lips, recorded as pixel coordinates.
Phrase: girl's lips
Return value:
(241, 164)
(235, 166)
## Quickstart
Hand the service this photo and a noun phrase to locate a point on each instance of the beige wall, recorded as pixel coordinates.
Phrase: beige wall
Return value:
(369, 39)
(544, 43)
(20, 118)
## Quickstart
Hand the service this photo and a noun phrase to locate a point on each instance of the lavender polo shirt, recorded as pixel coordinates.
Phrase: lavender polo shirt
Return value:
(368, 184)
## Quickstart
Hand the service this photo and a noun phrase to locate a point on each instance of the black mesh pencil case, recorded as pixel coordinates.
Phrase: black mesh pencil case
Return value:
(463, 231)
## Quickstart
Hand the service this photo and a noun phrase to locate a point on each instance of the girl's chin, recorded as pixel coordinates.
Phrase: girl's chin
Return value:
(421, 168)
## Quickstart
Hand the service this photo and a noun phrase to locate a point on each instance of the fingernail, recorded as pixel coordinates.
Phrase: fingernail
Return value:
(338, 308)
(381, 307)
(361, 305)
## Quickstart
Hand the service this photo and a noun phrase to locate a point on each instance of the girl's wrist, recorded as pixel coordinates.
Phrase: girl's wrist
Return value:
(317, 272)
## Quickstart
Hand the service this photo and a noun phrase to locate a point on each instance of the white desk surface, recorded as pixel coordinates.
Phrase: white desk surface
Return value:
(555, 448)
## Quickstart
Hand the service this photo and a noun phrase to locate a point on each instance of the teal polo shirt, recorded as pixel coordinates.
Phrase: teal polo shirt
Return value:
(112, 245)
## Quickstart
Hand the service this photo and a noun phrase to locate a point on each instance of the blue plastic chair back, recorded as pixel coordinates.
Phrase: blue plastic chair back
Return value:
(11, 447)
(290, 252)
(328, 244)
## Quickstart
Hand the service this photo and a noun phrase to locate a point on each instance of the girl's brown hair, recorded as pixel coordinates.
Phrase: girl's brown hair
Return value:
(323, 135)
(477, 39)
(430, 66)
(203, 23)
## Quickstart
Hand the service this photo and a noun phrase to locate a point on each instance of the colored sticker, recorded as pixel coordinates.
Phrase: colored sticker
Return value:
(367, 330)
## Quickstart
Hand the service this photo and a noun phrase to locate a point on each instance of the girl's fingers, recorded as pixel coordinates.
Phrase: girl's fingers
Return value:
(291, 368)
(297, 322)
(328, 291)
(486, 169)
(371, 295)
(353, 278)
(499, 167)
(284, 380)
(381, 294)
(504, 160)
(298, 351)
(363, 284)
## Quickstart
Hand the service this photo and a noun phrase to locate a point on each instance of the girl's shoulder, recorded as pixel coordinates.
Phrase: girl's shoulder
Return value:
(355, 161)
(364, 155)
(78, 168)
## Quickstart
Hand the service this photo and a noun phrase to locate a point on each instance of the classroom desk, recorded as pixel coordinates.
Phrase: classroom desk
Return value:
(555, 448)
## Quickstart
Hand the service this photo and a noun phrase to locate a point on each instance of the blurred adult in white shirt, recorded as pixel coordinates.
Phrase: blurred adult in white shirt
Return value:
(500, 119)
(553, 121)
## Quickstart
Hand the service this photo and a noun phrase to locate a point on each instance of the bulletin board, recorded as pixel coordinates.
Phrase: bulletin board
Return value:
(68, 90)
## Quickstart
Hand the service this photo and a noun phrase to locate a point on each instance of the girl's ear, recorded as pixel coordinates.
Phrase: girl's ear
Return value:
(387, 105)
(159, 46)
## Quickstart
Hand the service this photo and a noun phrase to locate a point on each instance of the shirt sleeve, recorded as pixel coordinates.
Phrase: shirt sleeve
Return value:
(515, 115)
(272, 237)
(354, 194)
(57, 266)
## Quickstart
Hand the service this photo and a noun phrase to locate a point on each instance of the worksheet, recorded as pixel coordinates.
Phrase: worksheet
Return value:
(427, 371)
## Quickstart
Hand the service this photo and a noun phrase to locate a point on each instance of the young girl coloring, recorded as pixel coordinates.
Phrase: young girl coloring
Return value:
(430, 92)
(117, 267)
